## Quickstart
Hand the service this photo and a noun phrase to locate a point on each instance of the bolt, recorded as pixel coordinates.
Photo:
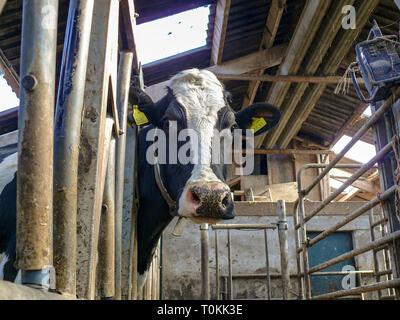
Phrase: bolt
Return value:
(29, 82)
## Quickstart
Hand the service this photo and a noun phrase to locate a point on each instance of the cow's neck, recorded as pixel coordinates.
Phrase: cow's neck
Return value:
(153, 215)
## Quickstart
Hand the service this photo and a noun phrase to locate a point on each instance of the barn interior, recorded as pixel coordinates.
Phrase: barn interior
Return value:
(294, 54)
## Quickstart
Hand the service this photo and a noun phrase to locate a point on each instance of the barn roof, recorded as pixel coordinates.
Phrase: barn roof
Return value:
(313, 113)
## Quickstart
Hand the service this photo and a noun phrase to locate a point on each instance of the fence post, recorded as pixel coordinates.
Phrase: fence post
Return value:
(205, 272)
(35, 148)
(66, 141)
(284, 249)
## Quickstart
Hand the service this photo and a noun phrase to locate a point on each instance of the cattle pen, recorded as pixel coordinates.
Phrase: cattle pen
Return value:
(314, 220)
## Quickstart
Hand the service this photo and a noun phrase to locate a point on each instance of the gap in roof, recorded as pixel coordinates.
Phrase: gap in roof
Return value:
(172, 35)
(361, 151)
(8, 97)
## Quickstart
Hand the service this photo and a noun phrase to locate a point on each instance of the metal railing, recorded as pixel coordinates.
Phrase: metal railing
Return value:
(282, 227)
(301, 217)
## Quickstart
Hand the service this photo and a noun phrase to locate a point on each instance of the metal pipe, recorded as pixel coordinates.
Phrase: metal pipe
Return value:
(297, 243)
(66, 141)
(367, 288)
(284, 249)
(107, 238)
(351, 179)
(217, 266)
(242, 226)
(230, 284)
(123, 85)
(374, 244)
(268, 283)
(205, 272)
(370, 204)
(34, 248)
(371, 121)
(12, 291)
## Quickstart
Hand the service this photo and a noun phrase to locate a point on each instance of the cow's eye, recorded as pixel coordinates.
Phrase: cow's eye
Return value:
(234, 127)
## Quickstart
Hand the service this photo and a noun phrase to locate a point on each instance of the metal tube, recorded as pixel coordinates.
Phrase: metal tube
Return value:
(242, 226)
(371, 121)
(374, 254)
(374, 244)
(34, 251)
(123, 85)
(351, 179)
(268, 283)
(230, 285)
(205, 272)
(216, 267)
(284, 249)
(371, 287)
(107, 238)
(370, 204)
(66, 141)
(12, 291)
(297, 241)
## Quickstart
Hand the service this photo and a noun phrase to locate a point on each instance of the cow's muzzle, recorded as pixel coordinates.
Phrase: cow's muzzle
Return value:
(210, 201)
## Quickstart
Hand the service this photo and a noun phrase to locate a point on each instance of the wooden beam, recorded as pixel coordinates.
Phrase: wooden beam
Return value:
(350, 195)
(271, 28)
(363, 185)
(329, 66)
(279, 78)
(127, 25)
(10, 74)
(252, 62)
(322, 43)
(2, 4)
(301, 40)
(220, 25)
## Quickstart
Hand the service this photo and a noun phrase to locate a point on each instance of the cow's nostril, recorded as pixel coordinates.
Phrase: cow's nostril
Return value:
(195, 196)
(225, 201)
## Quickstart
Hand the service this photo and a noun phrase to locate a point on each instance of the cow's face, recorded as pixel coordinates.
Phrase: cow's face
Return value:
(196, 106)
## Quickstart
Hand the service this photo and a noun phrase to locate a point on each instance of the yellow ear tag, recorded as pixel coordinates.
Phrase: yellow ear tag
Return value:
(258, 124)
(139, 116)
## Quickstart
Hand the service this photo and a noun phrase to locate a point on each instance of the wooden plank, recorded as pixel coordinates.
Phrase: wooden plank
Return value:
(279, 78)
(329, 66)
(255, 61)
(10, 74)
(127, 23)
(2, 4)
(271, 28)
(220, 25)
(257, 209)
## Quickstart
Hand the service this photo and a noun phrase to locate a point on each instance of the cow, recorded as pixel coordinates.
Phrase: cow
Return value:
(195, 100)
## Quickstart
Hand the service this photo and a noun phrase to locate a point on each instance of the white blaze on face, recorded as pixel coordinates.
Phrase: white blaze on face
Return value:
(202, 96)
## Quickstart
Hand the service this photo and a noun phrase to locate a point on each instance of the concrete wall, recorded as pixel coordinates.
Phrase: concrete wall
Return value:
(181, 266)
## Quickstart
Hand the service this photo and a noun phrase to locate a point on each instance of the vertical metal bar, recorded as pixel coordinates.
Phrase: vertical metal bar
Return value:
(123, 84)
(205, 268)
(107, 237)
(303, 235)
(66, 141)
(35, 148)
(267, 265)
(230, 284)
(216, 267)
(298, 258)
(284, 249)
(374, 253)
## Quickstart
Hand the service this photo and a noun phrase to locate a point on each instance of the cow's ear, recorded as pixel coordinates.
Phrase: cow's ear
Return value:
(144, 110)
(260, 117)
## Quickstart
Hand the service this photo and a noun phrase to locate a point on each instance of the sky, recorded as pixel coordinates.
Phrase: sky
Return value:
(8, 98)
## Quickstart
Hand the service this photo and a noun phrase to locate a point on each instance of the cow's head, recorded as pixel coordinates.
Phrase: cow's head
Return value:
(197, 104)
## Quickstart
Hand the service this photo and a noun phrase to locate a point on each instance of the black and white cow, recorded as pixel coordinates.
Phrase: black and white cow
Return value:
(195, 100)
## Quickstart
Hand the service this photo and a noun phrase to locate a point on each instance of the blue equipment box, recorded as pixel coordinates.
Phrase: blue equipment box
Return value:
(379, 63)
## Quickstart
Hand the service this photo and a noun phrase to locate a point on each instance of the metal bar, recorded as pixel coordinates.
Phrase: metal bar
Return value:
(368, 288)
(351, 179)
(107, 237)
(354, 139)
(284, 249)
(297, 242)
(370, 204)
(123, 84)
(355, 252)
(217, 266)
(205, 272)
(374, 253)
(34, 249)
(230, 284)
(67, 139)
(268, 283)
(12, 291)
(379, 222)
(242, 226)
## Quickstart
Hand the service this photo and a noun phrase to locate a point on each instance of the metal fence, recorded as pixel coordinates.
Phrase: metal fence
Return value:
(281, 226)
(301, 218)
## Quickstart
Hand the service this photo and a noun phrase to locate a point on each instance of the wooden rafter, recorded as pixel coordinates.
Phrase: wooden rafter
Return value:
(271, 28)
(2, 4)
(220, 25)
(252, 62)
(10, 74)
